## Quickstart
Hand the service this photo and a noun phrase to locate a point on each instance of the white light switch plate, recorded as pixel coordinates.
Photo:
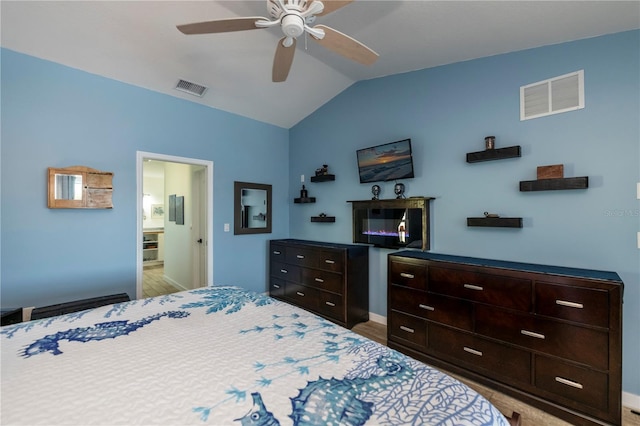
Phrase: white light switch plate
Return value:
(302, 180)
(226, 227)
(638, 239)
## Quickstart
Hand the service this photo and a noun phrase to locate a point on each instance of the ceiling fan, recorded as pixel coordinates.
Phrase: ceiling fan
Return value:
(295, 17)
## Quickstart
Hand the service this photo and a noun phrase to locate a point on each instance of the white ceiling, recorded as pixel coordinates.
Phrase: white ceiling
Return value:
(137, 42)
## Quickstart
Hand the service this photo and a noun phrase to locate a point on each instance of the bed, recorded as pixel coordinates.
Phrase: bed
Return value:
(219, 356)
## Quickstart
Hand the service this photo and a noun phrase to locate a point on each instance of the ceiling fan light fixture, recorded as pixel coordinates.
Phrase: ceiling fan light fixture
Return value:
(292, 25)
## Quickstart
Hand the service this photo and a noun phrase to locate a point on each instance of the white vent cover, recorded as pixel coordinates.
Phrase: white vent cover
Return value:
(191, 88)
(552, 96)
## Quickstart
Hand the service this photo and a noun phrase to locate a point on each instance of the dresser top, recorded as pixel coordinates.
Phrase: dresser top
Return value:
(321, 244)
(520, 266)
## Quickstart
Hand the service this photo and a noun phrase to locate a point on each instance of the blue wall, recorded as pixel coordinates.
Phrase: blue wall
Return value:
(447, 111)
(55, 116)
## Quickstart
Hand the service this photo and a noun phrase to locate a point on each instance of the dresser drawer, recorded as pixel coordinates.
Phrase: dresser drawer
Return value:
(492, 359)
(284, 271)
(331, 305)
(276, 287)
(330, 260)
(408, 330)
(568, 341)
(408, 274)
(572, 383)
(302, 296)
(454, 312)
(508, 292)
(579, 304)
(301, 256)
(277, 252)
(324, 280)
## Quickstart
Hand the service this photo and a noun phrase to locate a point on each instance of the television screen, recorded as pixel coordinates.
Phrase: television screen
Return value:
(390, 161)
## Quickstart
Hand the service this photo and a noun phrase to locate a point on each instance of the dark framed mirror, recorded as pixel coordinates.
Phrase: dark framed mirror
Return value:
(252, 208)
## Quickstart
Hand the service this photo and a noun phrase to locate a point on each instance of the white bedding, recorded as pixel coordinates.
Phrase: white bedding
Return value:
(218, 356)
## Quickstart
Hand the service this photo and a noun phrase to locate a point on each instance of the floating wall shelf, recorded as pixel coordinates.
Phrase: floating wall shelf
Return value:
(494, 154)
(496, 222)
(323, 178)
(554, 184)
(304, 200)
(323, 219)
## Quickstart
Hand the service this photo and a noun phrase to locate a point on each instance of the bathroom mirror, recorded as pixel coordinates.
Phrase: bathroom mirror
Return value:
(252, 208)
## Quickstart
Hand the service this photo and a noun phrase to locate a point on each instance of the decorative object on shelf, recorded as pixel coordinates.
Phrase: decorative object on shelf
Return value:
(375, 190)
(322, 217)
(555, 171)
(494, 154)
(304, 193)
(490, 142)
(398, 188)
(550, 178)
(487, 214)
(322, 170)
(79, 187)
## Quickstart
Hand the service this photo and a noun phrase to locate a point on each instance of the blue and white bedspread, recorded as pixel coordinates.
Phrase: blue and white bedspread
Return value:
(218, 356)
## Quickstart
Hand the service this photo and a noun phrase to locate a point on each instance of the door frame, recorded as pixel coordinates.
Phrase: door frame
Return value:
(208, 193)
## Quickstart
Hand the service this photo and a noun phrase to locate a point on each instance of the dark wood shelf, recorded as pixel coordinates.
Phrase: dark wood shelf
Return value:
(494, 154)
(554, 184)
(496, 222)
(323, 178)
(304, 200)
(323, 219)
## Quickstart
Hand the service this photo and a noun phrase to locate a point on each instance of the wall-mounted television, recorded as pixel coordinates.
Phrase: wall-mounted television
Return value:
(390, 161)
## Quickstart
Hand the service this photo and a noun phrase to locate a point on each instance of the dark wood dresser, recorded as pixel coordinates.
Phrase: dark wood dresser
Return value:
(329, 279)
(549, 336)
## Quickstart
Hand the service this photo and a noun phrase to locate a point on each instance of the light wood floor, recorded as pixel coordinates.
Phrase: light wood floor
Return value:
(530, 416)
(153, 284)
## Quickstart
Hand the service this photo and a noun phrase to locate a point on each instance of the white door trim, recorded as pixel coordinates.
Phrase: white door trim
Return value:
(208, 165)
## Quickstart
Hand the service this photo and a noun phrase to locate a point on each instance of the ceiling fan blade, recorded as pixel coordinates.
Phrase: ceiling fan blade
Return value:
(283, 60)
(346, 46)
(331, 5)
(221, 25)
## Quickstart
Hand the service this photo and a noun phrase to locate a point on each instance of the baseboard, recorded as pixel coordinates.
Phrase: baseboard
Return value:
(173, 283)
(377, 318)
(631, 400)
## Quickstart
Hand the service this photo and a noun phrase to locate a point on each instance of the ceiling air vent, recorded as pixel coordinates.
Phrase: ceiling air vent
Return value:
(190, 88)
(552, 96)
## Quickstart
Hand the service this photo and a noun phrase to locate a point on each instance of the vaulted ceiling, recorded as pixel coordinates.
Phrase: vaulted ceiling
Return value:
(137, 42)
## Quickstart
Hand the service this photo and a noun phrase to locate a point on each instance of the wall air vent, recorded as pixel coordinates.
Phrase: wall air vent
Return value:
(552, 96)
(191, 88)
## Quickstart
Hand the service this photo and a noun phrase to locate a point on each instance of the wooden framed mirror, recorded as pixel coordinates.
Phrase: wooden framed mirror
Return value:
(79, 187)
(252, 208)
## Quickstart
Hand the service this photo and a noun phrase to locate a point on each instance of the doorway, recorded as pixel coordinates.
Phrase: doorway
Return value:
(186, 241)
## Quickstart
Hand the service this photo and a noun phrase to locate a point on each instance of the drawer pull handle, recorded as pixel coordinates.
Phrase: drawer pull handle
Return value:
(472, 351)
(406, 275)
(330, 262)
(330, 304)
(276, 286)
(299, 293)
(569, 304)
(532, 334)
(473, 287)
(284, 271)
(407, 329)
(427, 307)
(276, 252)
(319, 280)
(569, 382)
(299, 256)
